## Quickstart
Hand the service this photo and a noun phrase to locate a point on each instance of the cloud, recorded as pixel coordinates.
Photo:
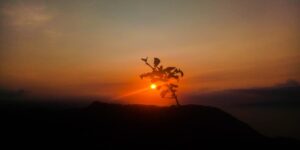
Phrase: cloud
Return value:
(24, 15)
(8, 93)
(289, 83)
(106, 85)
(286, 94)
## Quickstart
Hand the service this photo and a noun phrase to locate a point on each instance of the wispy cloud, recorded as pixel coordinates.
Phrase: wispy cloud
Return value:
(25, 15)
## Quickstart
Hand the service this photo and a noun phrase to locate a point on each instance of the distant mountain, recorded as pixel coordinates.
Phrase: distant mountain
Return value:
(138, 126)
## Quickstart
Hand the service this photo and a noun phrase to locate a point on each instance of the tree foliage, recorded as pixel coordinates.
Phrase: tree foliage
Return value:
(165, 76)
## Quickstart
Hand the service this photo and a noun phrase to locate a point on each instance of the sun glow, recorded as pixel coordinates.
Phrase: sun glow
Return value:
(153, 86)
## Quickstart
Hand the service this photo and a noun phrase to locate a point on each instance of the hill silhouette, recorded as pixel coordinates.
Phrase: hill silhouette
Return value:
(102, 124)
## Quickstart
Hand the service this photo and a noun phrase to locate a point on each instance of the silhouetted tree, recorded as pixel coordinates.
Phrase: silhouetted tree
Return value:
(163, 75)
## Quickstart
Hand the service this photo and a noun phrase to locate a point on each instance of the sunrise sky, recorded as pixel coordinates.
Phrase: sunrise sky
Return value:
(93, 47)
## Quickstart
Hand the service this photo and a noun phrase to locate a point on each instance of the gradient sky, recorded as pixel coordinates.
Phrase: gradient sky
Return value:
(93, 47)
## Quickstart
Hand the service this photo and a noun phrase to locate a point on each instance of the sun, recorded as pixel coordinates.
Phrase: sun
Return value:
(153, 86)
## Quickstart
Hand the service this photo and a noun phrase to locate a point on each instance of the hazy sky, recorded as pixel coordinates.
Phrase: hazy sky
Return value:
(93, 47)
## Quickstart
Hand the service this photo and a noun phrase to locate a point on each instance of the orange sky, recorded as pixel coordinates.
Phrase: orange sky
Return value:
(93, 48)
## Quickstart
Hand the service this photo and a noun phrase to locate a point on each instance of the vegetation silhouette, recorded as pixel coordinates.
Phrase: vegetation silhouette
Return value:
(103, 125)
(165, 76)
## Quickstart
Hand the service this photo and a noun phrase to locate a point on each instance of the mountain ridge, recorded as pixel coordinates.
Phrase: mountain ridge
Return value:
(104, 124)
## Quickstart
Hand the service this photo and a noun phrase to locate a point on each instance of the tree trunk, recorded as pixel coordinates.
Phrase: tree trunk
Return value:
(177, 102)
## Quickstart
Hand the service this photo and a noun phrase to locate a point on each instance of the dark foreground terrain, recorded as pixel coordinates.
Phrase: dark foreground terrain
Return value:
(136, 126)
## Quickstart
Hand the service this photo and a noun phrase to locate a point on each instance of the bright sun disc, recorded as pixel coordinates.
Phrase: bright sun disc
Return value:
(153, 86)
